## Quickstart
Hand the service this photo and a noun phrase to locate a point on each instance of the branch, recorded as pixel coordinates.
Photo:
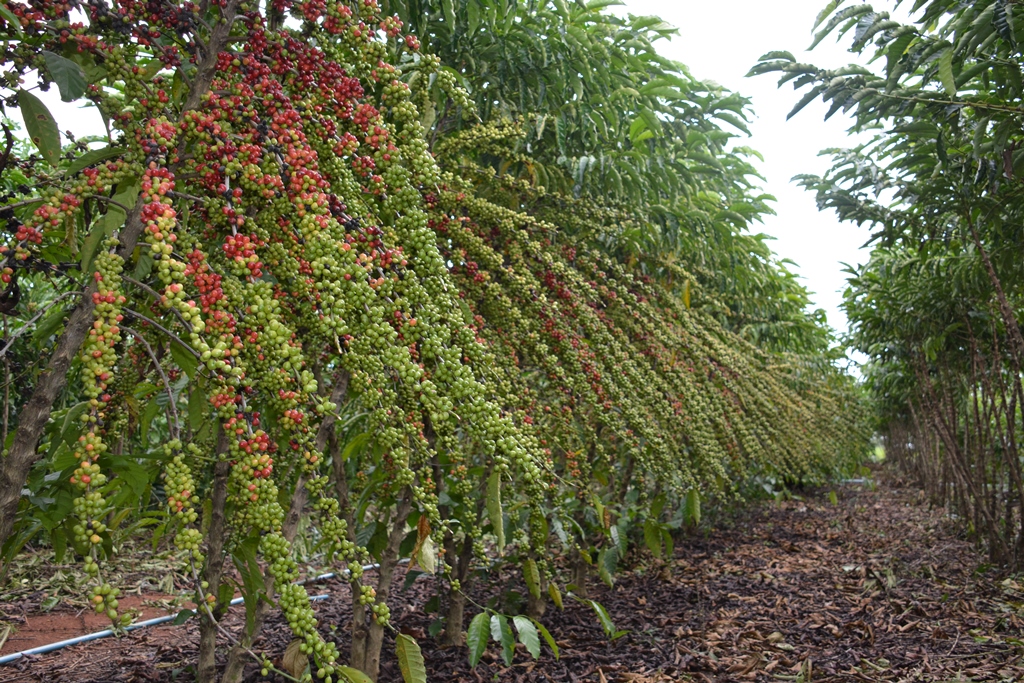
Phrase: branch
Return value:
(136, 314)
(37, 316)
(176, 425)
(156, 295)
(108, 200)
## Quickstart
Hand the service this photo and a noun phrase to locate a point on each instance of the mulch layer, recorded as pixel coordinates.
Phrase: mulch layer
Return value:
(873, 587)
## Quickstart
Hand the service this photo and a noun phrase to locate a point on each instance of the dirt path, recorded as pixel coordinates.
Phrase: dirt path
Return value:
(873, 588)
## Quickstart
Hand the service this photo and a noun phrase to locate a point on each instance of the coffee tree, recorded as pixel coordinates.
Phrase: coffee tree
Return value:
(937, 308)
(311, 275)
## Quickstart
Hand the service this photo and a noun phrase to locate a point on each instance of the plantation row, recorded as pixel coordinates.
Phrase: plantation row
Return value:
(937, 307)
(396, 277)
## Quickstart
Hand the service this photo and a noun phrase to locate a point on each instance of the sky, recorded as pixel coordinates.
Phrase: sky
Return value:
(720, 41)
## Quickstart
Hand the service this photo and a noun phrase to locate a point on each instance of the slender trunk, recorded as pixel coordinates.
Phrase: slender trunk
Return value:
(206, 670)
(461, 557)
(388, 561)
(51, 381)
(580, 570)
(239, 653)
(357, 651)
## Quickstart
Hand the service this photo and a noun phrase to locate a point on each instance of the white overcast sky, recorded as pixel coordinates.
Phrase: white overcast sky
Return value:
(720, 41)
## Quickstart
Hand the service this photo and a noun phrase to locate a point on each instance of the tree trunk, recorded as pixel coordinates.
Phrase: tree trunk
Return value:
(374, 638)
(580, 570)
(456, 617)
(206, 670)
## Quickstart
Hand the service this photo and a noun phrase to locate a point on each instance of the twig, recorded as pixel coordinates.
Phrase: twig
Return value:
(959, 103)
(156, 295)
(136, 314)
(108, 200)
(184, 195)
(176, 425)
(957, 640)
(37, 316)
(18, 205)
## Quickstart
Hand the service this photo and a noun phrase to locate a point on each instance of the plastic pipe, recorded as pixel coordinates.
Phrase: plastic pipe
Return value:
(105, 633)
(42, 649)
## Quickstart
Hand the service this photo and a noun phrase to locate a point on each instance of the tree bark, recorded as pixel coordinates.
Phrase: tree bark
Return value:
(456, 617)
(206, 670)
(374, 639)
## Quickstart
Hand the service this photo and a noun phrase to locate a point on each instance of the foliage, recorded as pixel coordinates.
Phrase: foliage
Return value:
(938, 305)
(299, 281)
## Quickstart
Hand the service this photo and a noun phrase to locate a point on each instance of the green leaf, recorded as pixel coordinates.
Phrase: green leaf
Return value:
(449, 13)
(135, 475)
(473, 15)
(68, 76)
(10, 18)
(607, 559)
(198, 408)
(823, 14)
(93, 157)
(113, 219)
(896, 51)
(691, 510)
(184, 359)
(666, 92)
(410, 659)
(244, 557)
(476, 637)
(357, 442)
(547, 637)
(92, 244)
(832, 498)
(666, 538)
(494, 511)
(49, 325)
(501, 632)
(183, 616)
(532, 577)
(527, 634)
(59, 541)
(147, 420)
(602, 615)
(808, 97)
(946, 72)
(555, 594)
(353, 675)
(652, 537)
(41, 127)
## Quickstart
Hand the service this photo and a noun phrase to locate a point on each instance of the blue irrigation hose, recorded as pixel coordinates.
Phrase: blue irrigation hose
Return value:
(7, 659)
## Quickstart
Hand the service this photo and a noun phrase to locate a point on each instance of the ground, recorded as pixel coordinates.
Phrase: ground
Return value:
(863, 583)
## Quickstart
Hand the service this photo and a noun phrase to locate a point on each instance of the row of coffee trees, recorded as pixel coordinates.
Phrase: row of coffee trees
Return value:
(937, 307)
(461, 283)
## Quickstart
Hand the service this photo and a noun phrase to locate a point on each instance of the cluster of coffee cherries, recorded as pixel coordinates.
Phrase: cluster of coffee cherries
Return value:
(98, 358)
(180, 488)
